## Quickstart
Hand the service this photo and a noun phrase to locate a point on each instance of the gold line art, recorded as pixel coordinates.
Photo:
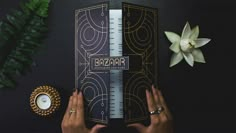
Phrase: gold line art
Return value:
(91, 38)
(139, 24)
(139, 43)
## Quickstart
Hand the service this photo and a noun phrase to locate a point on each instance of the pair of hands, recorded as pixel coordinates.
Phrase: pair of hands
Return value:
(73, 122)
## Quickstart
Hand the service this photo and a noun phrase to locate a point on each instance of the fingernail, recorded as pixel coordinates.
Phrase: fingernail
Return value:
(80, 93)
(75, 92)
(155, 86)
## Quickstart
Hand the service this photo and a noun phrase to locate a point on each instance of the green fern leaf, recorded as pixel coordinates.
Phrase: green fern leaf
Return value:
(21, 35)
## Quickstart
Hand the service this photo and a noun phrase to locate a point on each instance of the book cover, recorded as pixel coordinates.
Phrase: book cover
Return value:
(97, 68)
(92, 38)
(140, 45)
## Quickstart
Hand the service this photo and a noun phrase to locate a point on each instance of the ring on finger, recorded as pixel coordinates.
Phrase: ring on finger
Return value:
(157, 111)
(72, 110)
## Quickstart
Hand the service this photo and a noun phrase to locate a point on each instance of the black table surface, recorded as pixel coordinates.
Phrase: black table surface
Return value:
(201, 99)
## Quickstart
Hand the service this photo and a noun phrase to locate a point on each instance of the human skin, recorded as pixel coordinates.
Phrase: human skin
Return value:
(160, 123)
(74, 122)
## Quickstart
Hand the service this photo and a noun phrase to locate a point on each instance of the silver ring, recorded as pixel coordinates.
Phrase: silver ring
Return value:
(157, 111)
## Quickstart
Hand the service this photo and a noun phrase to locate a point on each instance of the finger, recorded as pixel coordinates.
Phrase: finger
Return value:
(163, 103)
(151, 107)
(96, 128)
(158, 103)
(74, 105)
(141, 128)
(80, 108)
(155, 95)
(150, 101)
(67, 113)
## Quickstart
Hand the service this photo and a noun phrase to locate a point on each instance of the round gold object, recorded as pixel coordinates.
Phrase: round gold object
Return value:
(45, 100)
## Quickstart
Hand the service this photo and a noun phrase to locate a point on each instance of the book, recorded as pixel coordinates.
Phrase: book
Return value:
(115, 60)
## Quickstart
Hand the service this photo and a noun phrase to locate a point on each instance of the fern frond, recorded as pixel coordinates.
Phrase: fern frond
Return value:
(20, 36)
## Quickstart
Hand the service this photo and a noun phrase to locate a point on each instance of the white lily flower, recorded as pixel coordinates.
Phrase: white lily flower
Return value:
(186, 46)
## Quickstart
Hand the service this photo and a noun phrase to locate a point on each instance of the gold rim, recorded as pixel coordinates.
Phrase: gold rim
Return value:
(54, 96)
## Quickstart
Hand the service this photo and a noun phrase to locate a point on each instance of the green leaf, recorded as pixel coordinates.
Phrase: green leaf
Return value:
(9, 83)
(3, 37)
(43, 10)
(14, 21)
(8, 29)
(25, 9)
(6, 81)
(40, 7)
(19, 17)
(20, 37)
(21, 58)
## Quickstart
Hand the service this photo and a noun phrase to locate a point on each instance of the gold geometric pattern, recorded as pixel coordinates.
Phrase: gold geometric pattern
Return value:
(140, 44)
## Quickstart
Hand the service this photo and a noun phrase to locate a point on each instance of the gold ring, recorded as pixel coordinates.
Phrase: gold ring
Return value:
(72, 111)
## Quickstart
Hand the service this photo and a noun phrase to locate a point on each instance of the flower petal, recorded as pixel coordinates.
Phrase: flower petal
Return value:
(172, 37)
(189, 58)
(198, 56)
(186, 31)
(175, 47)
(201, 42)
(195, 33)
(176, 58)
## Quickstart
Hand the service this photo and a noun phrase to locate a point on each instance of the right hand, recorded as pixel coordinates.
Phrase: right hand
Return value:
(160, 123)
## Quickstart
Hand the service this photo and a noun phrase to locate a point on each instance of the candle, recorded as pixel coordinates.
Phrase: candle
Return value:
(43, 101)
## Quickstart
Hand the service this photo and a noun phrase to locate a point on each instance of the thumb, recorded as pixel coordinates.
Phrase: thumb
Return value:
(96, 128)
(138, 126)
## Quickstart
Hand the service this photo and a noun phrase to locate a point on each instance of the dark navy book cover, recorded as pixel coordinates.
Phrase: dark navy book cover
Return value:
(138, 61)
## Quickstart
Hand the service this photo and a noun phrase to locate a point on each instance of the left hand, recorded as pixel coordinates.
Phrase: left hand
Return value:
(73, 121)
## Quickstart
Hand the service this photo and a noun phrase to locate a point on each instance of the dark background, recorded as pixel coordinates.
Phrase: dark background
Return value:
(201, 99)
